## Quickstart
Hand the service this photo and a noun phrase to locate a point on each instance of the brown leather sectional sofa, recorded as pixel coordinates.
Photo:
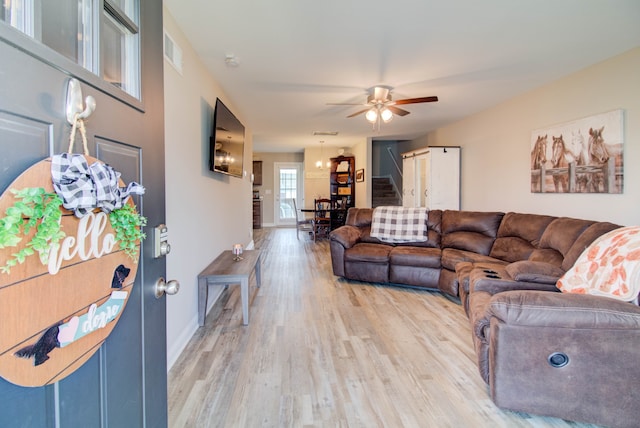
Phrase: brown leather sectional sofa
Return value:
(539, 350)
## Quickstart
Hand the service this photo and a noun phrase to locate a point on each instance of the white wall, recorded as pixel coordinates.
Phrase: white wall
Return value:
(362, 152)
(316, 181)
(496, 144)
(206, 212)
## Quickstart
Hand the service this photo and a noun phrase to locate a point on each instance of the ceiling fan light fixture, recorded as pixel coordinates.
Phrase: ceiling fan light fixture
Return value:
(380, 108)
(386, 115)
(372, 115)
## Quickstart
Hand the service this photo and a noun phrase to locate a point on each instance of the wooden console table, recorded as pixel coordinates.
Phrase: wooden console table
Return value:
(225, 270)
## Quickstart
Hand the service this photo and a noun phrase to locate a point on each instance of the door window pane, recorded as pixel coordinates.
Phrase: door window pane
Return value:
(63, 25)
(18, 14)
(63, 29)
(288, 191)
(129, 7)
(70, 28)
(119, 55)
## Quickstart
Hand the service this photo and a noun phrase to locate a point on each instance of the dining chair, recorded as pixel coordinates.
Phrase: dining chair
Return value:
(302, 223)
(321, 218)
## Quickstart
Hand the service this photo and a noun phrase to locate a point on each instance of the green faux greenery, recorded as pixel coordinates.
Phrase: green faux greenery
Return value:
(40, 210)
(34, 208)
(127, 224)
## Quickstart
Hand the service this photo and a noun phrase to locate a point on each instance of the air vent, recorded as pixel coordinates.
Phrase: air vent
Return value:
(329, 133)
(172, 52)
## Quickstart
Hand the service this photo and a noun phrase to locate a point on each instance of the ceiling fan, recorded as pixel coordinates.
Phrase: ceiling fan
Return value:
(380, 106)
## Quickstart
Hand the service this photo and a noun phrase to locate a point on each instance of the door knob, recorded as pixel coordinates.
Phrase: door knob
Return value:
(163, 287)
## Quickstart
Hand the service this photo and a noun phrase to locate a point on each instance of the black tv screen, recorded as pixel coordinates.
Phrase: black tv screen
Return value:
(226, 152)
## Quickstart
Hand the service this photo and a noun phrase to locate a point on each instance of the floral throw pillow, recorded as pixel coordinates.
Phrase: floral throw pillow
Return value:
(610, 267)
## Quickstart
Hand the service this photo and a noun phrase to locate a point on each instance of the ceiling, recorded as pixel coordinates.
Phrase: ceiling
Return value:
(296, 56)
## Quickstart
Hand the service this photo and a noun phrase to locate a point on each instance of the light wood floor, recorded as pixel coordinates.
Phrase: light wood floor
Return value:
(321, 351)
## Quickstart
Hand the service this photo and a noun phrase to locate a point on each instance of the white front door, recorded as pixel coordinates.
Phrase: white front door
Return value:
(288, 185)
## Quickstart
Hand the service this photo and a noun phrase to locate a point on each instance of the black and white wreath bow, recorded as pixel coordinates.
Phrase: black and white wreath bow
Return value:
(84, 187)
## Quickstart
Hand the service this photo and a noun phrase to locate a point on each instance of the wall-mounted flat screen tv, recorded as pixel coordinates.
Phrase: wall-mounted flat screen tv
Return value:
(226, 152)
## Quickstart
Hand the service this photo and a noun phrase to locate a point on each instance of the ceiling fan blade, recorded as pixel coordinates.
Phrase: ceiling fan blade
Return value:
(357, 113)
(345, 104)
(416, 100)
(398, 111)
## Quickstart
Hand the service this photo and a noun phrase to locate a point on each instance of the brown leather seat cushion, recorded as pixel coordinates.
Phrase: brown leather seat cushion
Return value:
(451, 257)
(415, 256)
(371, 253)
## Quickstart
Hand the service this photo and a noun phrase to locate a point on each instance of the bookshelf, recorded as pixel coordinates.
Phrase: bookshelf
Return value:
(342, 188)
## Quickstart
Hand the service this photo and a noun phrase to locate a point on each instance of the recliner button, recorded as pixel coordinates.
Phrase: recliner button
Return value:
(558, 359)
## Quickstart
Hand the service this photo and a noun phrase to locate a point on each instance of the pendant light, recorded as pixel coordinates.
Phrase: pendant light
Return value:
(319, 163)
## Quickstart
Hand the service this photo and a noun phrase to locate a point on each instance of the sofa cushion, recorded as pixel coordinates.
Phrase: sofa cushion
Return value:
(359, 217)
(414, 276)
(546, 255)
(562, 233)
(433, 239)
(497, 280)
(435, 221)
(538, 272)
(586, 238)
(365, 236)
(367, 262)
(470, 230)
(519, 235)
(451, 257)
(370, 253)
(415, 256)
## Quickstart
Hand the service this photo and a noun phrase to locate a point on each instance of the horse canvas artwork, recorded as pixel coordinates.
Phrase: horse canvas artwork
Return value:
(585, 156)
(538, 160)
(559, 161)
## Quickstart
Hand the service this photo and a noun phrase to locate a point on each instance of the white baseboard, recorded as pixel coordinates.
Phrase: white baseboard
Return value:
(176, 348)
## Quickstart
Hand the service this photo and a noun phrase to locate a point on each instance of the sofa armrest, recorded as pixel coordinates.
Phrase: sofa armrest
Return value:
(544, 309)
(549, 353)
(346, 235)
(496, 280)
(533, 271)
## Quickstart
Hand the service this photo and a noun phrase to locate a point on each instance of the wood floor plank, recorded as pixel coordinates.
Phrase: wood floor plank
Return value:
(321, 351)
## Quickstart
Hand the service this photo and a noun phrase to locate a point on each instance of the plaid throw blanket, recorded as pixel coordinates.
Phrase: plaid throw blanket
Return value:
(399, 224)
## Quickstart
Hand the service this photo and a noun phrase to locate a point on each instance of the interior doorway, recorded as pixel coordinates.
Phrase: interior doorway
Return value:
(288, 183)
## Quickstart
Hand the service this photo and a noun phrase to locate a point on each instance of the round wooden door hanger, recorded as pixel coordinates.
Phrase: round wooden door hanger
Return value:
(58, 308)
